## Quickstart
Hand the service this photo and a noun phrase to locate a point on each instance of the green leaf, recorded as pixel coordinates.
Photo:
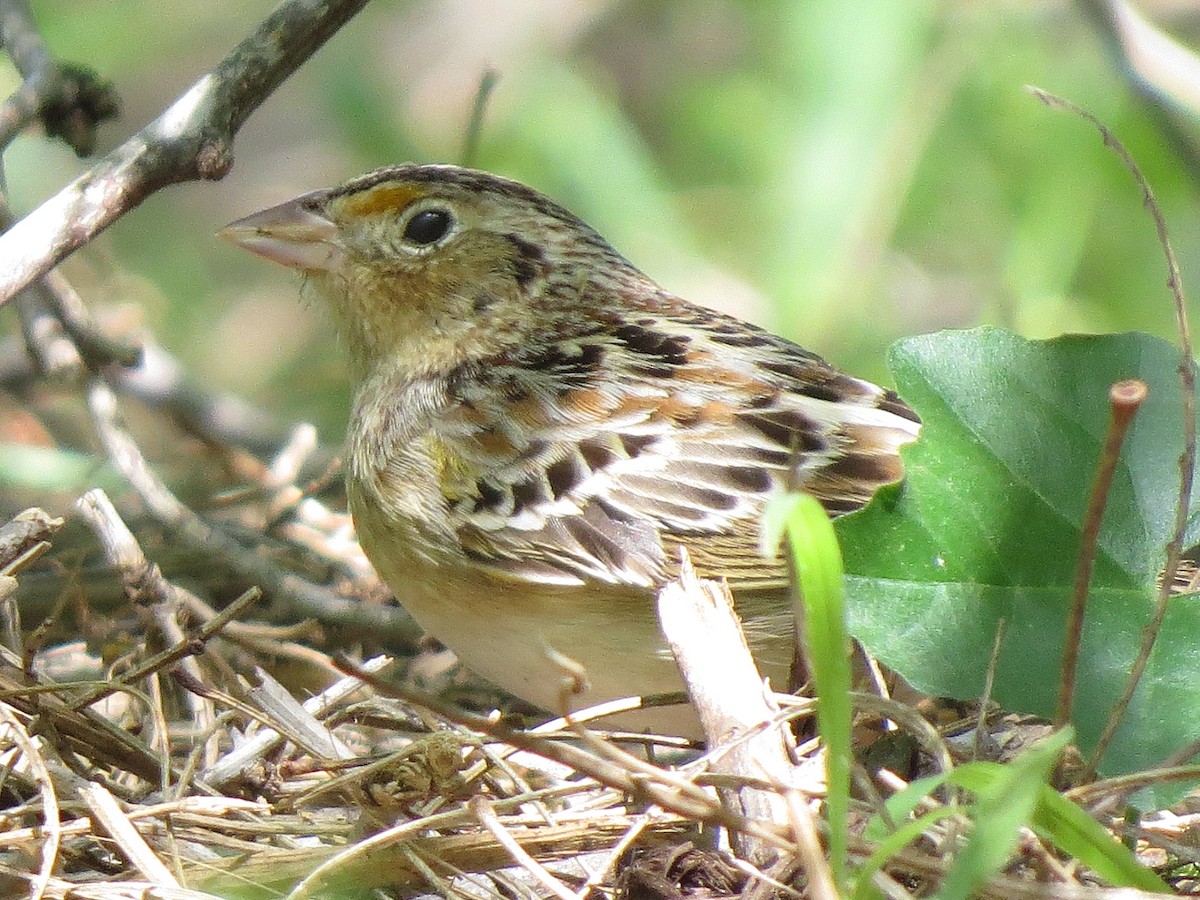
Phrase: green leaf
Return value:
(987, 526)
(892, 843)
(901, 804)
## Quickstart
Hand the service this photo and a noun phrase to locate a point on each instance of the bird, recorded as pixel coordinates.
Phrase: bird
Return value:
(538, 429)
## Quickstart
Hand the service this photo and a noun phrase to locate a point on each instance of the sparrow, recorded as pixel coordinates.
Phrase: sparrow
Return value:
(538, 429)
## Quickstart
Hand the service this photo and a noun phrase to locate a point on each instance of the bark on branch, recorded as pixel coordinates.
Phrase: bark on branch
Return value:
(191, 140)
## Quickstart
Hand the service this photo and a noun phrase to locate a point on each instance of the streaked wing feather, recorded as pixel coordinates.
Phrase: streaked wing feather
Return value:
(604, 456)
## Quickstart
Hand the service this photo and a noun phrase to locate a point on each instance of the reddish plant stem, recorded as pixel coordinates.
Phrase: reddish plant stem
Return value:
(1125, 398)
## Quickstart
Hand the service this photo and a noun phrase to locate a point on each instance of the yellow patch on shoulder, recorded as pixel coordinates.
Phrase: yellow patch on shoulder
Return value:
(382, 198)
(455, 476)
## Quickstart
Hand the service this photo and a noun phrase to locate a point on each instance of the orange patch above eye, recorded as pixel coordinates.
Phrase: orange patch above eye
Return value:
(381, 198)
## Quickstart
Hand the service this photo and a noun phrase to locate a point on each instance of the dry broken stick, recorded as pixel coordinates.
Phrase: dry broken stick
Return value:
(23, 532)
(23, 539)
(146, 586)
(748, 737)
(191, 140)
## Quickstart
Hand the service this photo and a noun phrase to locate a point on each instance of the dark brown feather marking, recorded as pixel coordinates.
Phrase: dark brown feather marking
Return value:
(787, 428)
(779, 458)
(636, 443)
(891, 402)
(709, 498)
(597, 455)
(748, 478)
(668, 349)
(565, 475)
(834, 390)
(869, 470)
(529, 262)
(576, 370)
(483, 301)
(839, 506)
(738, 339)
(786, 367)
(529, 493)
(490, 496)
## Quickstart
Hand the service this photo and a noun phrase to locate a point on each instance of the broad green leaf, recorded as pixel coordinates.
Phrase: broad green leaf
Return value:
(987, 526)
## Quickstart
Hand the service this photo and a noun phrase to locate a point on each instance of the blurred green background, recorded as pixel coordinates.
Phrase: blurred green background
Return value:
(844, 173)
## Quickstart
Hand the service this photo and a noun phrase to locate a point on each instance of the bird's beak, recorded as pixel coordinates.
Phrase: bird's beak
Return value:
(292, 234)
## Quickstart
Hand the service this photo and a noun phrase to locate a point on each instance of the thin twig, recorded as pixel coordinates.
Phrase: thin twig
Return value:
(1187, 460)
(46, 342)
(1162, 73)
(307, 599)
(70, 100)
(487, 817)
(1124, 399)
(51, 815)
(219, 418)
(96, 349)
(18, 112)
(147, 587)
(989, 681)
(116, 822)
(190, 646)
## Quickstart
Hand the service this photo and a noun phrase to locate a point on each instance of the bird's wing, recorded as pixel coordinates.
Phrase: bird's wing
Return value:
(596, 459)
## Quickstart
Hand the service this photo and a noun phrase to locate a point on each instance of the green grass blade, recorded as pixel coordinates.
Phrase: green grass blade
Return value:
(892, 844)
(1060, 822)
(1006, 797)
(817, 562)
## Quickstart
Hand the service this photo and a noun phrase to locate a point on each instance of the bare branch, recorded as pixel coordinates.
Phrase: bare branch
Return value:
(191, 140)
(1161, 72)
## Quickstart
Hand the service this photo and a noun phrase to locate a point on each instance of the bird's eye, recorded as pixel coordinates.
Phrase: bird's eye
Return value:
(427, 227)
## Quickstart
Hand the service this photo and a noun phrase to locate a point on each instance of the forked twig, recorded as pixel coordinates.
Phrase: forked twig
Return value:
(191, 140)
